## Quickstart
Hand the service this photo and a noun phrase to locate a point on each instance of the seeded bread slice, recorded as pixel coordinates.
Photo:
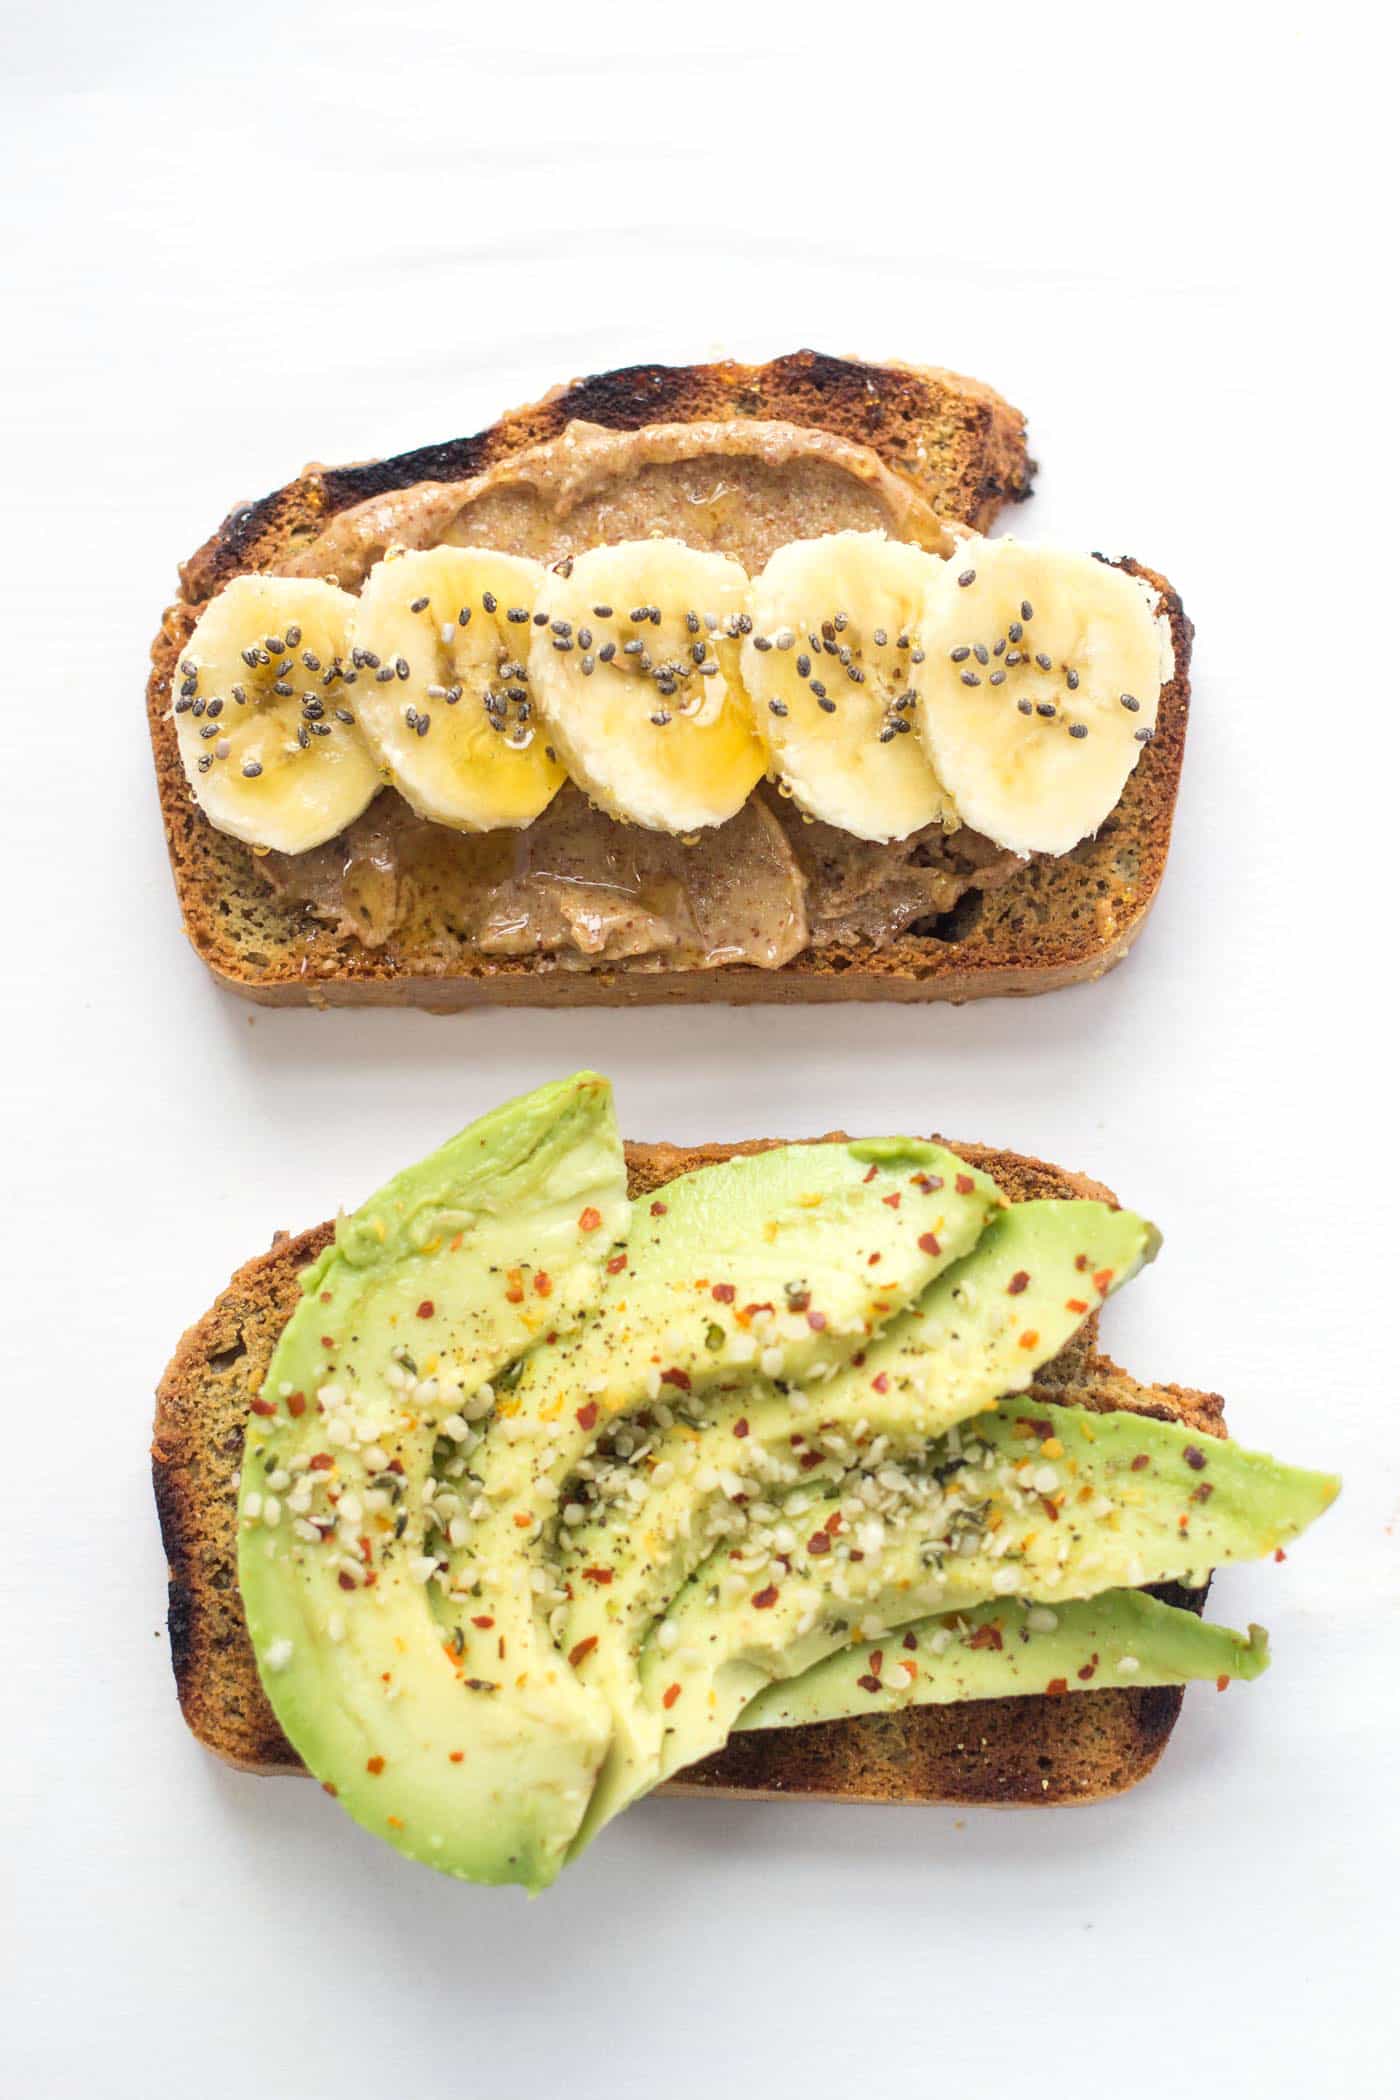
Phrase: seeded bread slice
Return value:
(1026, 1749)
(963, 448)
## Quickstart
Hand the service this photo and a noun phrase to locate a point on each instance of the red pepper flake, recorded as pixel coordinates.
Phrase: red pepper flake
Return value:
(741, 1427)
(1050, 1508)
(366, 1550)
(809, 1459)
(328, 1341)
(1057, 1688)
(870, 1684)
(871, 1175)
(394, 1822)
(834, 1523)
(454, 1757)
(986, 1636)
(1140, 1461)
(670, 1696)
(1194, 1457)
(1202, 1493)
(425, 1310)
(325, 1297)
(1030, 1338)
(602, 1576)
(798, 1301)
(819, 1543)
(1221, 1683)
(522, 1520)
(658, 1210)
(1081, 1262)
(871, 1261)
(617, 1264)
(928, 1183)
(581, 1649)
(880, 1383)
(877, 1661)
(928, 1243)
(765, 1599)
(515, 1288)
(1076, 1305)
(1088, 1670)
(590, 1219)
(892, 1202)
(1018, 1283)
(680, 1379)
(328, 1786)
(544, 1283)
(1279, 1553)
(1102, 1279)
(374, 1765)
(296, 1404)
(910, 1641)
(1182, 1521)
(263, 1407)
(586, 1415)
(345, 1579)
(816, 1321)
(321, 1463)
(723, 1294)
(484, 1620)
(964, 1184)
(858, 1359)
(1036, 1426)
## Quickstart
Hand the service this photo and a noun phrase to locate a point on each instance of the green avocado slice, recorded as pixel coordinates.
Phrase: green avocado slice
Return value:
(1085, 1502)
(435, 1286)
(979, 1331)
(994, 1650)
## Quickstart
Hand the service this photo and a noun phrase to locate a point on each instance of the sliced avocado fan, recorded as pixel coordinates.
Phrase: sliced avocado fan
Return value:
(546, 1492)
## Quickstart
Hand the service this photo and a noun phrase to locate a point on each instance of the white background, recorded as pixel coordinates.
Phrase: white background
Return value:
(241, 237)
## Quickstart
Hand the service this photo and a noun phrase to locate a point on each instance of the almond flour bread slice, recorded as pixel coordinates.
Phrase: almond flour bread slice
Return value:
(731, 457)
(1026, 1749)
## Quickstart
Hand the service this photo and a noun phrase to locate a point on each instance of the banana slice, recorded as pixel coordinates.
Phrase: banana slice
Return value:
(834, 669)
(442, 642)
(636, 669)
(266, 714)
(1041, 688)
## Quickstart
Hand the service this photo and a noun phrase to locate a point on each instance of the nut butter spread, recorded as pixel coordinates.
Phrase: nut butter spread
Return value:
(575, 885)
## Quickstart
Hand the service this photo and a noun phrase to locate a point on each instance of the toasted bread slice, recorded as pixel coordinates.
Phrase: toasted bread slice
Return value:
(961, 450)
(1028, 1749)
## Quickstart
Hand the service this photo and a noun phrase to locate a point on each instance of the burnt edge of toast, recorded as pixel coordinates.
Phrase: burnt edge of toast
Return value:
(1027, 1749)
(806, 386)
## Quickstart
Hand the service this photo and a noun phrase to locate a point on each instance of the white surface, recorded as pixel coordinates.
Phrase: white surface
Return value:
(313, 230)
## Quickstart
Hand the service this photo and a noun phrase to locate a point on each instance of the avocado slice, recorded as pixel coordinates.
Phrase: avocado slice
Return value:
(434, 1287)
(979, 1331)
(1085, 1502)
(1120, 1638)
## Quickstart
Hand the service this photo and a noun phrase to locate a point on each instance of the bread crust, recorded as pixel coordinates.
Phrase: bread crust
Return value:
(1057, 922)
(1027, 1749)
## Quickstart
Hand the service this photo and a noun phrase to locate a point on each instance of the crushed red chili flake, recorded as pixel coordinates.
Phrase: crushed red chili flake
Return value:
(375, 1765)
(1088, 1670)
(586, 1415)
(766, 1598)
(928, 1243)
(816, 1321)
(819, 1543)
(1140, 1461)
(1102, 1279)
(1018, 1283)
(911, 1640)
(1202, 1493)
(328, 1341)
(869, 1683)
(515, 1289)
(670, 1696)
(810, 1459)
(1221, 1683)
(927, 1182)
(617, 1264)
(425, 1310)
(1036, 1426)
(798, 1301)
(589, 1219)
(366, 1550)
(1057, 1688)
(892, 1202)
(834, 1523)
(679, 1379)
(296, 1404)
(741, 1427)
(986, 1636)
(1050, 1508)
(454, 1757)
(544, 1283)
(871, 1260)
(723, 1293)
(965, 1184)
(1279, 1553)
(1030, 1338)
(880, 1383)
(345, 1579)
(263, 1407)
(658, 1210)
(871, 1175)
(877, 1661)
(599, 1575)
(1081, 1262)
(1194, 1457)
(328, 1786)
(1076, 1305)
(321, 1463)
(582, 1648)
(484, 1620)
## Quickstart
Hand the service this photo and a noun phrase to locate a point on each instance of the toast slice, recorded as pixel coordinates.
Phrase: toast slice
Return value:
(959, 450)
(1025, 1749)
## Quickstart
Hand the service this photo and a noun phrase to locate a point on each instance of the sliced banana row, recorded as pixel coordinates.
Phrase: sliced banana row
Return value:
(1009, 688)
